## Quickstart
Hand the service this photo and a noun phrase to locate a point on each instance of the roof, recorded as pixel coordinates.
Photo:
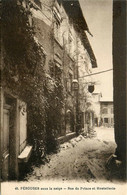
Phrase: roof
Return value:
(74, 11)
(106, 99)
(88, 47)
(97, 93)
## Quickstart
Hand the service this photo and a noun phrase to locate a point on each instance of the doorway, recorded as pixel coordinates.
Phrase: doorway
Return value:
(5, 142)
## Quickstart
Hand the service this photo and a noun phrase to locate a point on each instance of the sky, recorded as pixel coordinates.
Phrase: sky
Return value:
(98, 15)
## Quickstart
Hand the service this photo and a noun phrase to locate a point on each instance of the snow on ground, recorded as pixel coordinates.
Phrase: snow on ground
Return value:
(104, 133)
(80, 159)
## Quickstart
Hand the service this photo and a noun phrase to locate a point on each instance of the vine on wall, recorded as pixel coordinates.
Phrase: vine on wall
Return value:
(23, 74)
(54, 111)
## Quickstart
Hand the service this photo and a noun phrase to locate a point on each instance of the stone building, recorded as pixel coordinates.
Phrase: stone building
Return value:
(96, 97)
(40, 71)
(106, 112)
(103, 110)
(66, 45)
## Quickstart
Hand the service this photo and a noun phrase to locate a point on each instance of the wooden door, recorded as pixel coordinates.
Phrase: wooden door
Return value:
(5, 144)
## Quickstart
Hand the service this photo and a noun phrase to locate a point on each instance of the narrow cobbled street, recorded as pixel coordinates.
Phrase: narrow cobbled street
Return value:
(80, 159)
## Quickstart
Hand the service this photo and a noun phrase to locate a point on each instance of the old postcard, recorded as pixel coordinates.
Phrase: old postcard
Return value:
(63, 113)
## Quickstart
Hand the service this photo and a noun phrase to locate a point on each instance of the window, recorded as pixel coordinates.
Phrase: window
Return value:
(70, 40)
(105, 120)
(112, 120)
(104, 111)
(58, 66)
(111, 110)
(57, 23)
(56, 29)
(70, 83)
(58, 72)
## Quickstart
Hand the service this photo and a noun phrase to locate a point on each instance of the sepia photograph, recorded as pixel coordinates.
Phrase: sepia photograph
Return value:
(63, 97)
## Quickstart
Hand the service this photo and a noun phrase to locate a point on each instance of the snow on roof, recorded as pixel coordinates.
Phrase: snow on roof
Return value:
(106, 99)
(96, 92)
